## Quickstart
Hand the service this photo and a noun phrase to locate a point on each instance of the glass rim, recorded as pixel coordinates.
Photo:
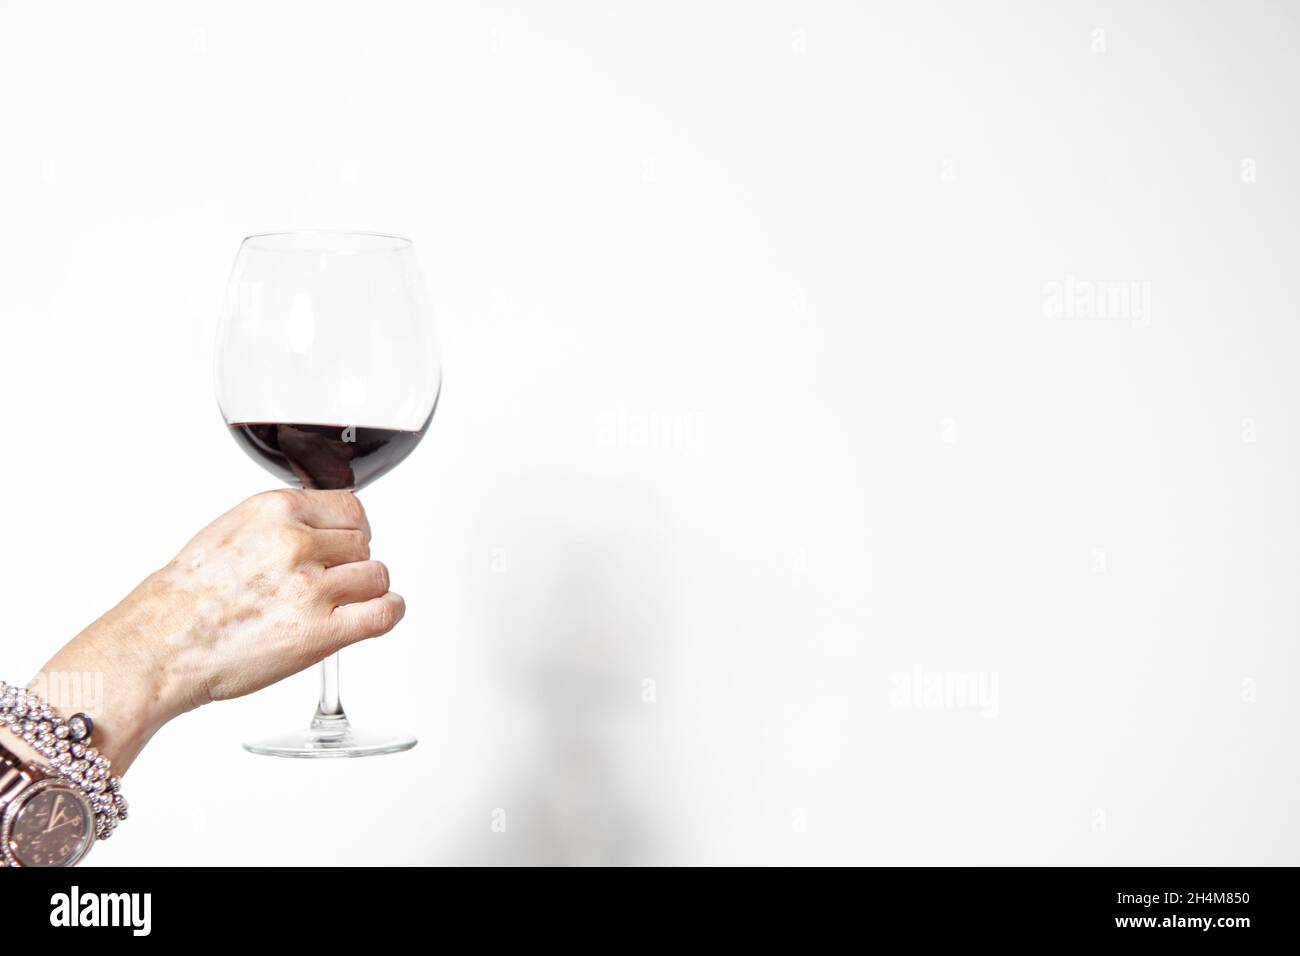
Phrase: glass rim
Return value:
(288, 240)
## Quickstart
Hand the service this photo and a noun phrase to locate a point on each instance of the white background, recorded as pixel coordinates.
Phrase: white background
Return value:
(753, 390)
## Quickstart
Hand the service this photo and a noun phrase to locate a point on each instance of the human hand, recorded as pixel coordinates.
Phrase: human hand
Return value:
(271, 587)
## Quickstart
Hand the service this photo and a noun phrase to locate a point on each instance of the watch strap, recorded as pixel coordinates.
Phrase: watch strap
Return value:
(14, 775)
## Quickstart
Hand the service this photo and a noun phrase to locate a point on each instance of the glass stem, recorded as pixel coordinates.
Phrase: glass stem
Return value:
(330, 707)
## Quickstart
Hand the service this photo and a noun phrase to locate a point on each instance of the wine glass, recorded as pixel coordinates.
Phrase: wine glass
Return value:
(328, 373)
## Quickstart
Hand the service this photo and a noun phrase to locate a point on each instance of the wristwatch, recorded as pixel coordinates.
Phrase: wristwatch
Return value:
(45, 820)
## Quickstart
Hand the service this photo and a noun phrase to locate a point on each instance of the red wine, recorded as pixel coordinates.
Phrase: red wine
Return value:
(325, 456)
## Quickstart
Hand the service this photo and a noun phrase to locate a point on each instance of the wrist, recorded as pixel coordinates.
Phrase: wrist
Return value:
(90, 676)
(72, 784)
(120, 670)
(22, 749)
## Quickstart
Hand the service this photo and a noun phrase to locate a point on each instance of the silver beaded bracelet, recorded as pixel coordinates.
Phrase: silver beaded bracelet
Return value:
(66, 744)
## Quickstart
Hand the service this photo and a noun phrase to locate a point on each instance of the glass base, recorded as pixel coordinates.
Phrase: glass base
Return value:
(330, 737)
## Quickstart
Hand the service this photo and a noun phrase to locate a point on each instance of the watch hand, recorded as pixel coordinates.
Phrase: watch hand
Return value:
(57, 817)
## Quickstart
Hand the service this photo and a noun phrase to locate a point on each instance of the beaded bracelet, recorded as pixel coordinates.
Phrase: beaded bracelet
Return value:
(66, 745)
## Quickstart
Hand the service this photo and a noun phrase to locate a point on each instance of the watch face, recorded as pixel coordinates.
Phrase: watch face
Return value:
(53, 827)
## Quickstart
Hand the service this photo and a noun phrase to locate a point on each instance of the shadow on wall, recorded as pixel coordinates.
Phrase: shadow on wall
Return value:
(577, 614)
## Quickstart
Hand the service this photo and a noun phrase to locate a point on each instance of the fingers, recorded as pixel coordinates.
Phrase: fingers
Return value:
(359, 581)
(356, 622)
(332, 509)
(333, 547)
